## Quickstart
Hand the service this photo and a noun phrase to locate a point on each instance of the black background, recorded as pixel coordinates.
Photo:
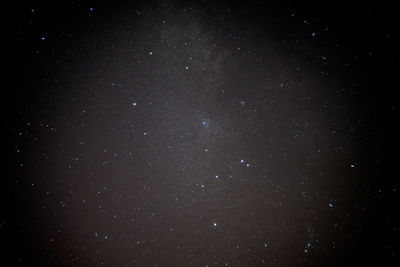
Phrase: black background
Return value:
(362, 47)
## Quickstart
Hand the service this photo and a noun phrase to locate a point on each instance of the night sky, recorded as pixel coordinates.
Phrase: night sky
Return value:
(204, 133)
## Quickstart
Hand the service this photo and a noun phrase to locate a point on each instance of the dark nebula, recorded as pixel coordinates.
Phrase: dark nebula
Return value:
(204, 133)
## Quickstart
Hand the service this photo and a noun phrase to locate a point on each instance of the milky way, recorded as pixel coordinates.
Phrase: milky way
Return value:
(181, 134)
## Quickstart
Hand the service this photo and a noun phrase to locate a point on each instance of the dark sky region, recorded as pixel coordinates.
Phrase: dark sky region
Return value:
(203, 133)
